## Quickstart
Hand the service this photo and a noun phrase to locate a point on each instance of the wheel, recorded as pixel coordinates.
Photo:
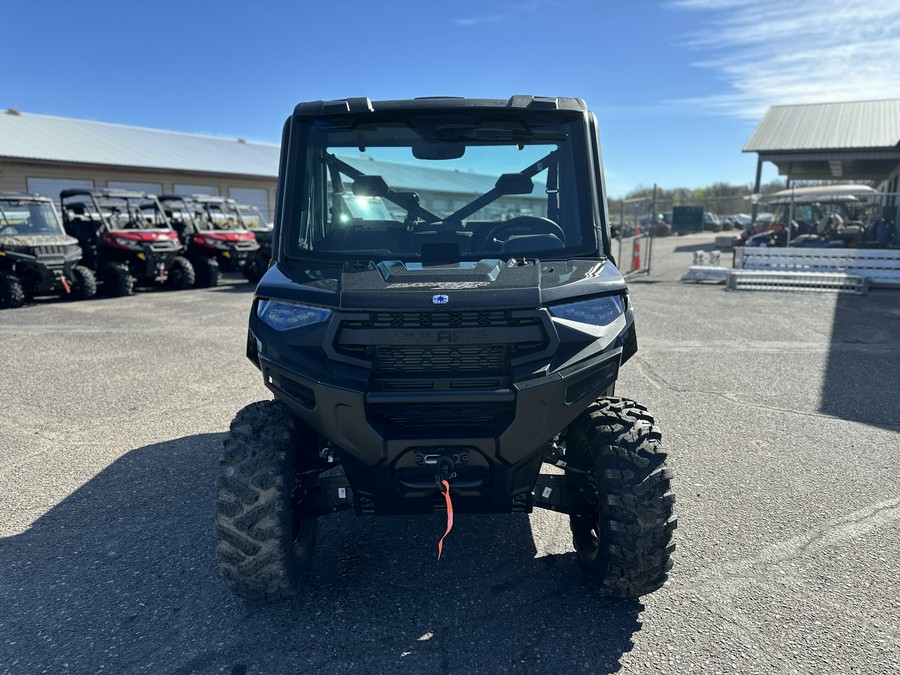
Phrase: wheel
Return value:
(264, 546)
(181, 274)
(12, 294)
(534, 224)
(117, 280)
(255, 268)
(624, 541)
(84, 283)
(207, 270)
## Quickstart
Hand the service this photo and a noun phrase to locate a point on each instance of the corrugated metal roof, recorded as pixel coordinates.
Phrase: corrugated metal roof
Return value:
(828, 126)
(410, 177)
(60, 139)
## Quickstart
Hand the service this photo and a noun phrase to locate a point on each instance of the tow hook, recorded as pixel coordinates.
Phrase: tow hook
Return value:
(445, 466)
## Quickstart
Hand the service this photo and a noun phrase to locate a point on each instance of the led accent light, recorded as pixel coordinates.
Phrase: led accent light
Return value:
(286, 316)
(597, 311)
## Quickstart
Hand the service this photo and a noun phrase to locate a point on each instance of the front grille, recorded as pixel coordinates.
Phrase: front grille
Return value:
(54, 250)
(163, 246)
(467, 359)
(458, 341)
(447, 319)
(449, 420)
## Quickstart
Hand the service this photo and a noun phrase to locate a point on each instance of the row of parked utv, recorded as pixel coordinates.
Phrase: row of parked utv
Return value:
(112, 241)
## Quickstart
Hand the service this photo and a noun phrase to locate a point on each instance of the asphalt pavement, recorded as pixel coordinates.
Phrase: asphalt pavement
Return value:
(780, 411)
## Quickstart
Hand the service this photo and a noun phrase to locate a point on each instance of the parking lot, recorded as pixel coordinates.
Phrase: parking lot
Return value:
(780, 411)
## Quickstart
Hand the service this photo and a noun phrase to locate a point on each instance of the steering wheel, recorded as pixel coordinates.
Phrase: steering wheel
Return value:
(534, 224)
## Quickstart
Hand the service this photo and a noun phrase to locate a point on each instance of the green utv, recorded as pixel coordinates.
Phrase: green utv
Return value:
(441, 353)
(36, 255)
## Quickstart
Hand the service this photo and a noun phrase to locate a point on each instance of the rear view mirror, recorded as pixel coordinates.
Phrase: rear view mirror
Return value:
(514, 184)
(438, 150)
(370, 186)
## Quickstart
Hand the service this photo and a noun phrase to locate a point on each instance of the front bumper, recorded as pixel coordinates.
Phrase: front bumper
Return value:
(388, 431)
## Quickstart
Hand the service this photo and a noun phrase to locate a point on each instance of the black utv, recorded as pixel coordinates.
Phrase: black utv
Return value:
(126, 238)
(213, 234)
(442, 354)
(36, 255)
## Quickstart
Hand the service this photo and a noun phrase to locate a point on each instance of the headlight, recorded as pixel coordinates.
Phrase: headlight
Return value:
(597, 311)
(285, 316)
(129, 243)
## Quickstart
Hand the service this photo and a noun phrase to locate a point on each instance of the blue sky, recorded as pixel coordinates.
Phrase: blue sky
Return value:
(678, 85)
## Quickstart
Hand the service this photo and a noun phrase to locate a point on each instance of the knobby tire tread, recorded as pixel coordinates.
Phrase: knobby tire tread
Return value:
(259, 558)
(626, 545)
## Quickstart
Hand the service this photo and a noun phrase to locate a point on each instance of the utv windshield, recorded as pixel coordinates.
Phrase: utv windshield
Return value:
(118, 213)
(251, 217)
(222, 216)
(27, 218)
(422, 186)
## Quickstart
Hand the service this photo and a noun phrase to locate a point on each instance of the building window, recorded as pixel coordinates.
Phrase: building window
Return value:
(152, 188)
(187, 189)
(51, 187)
(257, 197)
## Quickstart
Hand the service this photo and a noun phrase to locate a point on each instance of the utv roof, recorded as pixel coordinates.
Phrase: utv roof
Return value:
(211, 199)
(105, 192)
(843, 192)
(23, 197)
(363, 104)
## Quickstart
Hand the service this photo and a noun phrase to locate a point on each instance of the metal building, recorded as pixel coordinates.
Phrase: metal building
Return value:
(44, 155)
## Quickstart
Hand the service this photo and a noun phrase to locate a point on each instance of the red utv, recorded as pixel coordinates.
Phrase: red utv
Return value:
(214, 234)
(126, 239)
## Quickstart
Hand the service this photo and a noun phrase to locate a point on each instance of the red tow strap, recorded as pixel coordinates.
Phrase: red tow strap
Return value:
(445, 490)
(65, 283)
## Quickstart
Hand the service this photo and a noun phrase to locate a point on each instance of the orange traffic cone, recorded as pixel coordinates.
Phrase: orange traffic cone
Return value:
(636, 256)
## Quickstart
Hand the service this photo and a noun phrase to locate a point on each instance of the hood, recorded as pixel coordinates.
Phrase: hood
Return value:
(30, 241)
(155, 234)
(486, 284)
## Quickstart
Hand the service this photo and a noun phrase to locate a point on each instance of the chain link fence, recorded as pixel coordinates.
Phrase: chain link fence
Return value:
(821, 216)
(662, 217)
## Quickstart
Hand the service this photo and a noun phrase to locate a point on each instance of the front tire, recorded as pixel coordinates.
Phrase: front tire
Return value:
(255, 268)
(208, 273)
(117, 280)
(624, 541)
(264, 546)
(12, 294)
(181, 274)
(84, 283)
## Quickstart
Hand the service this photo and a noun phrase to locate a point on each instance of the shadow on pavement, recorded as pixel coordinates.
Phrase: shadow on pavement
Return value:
(862, 378)
(121, 576)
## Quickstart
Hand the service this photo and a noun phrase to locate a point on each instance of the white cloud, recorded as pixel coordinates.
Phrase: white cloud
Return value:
(772, 52)
(510, 11)
(478, 20)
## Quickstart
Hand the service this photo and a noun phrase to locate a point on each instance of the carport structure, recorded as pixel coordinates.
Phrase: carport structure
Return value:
(843, 142)
(851, 141)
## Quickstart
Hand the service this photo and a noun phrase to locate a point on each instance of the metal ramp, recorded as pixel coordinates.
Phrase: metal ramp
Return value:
(706, 273)
(880, 266)
(770, 280)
